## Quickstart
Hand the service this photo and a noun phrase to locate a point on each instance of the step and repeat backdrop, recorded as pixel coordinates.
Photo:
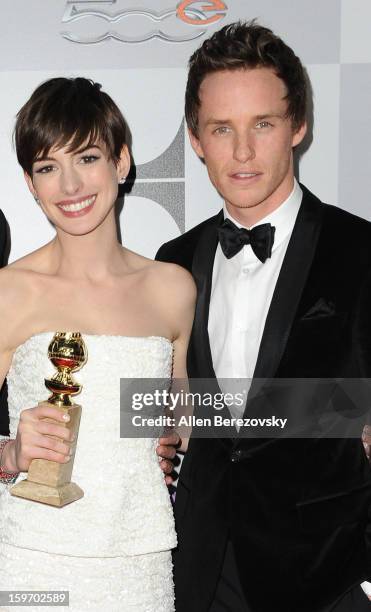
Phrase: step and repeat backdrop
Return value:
(138, 51)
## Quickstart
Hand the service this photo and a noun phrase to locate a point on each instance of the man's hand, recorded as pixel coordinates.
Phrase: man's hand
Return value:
(366, 439)
(166, 450)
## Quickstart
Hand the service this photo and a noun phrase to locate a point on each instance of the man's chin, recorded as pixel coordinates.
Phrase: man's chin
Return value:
(245, 205)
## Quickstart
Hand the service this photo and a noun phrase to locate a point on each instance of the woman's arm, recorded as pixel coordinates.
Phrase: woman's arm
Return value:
(180, 304)
(32, 439)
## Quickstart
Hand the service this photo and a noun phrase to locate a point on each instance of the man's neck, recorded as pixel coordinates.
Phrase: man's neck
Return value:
(250, 216)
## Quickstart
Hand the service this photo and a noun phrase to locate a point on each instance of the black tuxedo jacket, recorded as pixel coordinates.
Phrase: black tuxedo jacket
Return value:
(4, 419)
(295, 510)
(3, 240)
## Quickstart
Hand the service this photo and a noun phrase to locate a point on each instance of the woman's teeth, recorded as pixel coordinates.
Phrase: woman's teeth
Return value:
(78, 205)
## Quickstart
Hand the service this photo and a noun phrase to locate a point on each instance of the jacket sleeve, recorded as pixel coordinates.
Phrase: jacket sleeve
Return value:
(3, 240)
(161, 253)
(362, 329)
(4, 417)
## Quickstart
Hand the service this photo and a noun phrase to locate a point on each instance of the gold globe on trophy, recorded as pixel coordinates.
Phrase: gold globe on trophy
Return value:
(49, 482)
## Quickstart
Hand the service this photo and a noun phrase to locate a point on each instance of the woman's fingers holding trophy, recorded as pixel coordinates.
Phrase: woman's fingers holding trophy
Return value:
(39, 417)
(34, 441)
(52, 449)
(31, 445)
(45, 412)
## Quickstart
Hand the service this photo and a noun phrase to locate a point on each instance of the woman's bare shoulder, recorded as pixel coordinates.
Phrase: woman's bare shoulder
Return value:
(169, 287)
(32, 262)
(168, 275)
(175, 277)
(20, 289)
(175, 293)
(15, 281)
(20, 276)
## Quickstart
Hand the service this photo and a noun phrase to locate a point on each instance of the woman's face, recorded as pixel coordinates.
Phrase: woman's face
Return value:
(77, 190)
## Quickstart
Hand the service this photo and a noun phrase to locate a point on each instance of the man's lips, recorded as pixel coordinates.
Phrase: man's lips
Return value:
(244, 176)
(77, 205)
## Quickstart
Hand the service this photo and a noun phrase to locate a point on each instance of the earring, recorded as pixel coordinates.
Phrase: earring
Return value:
(37, 200)
(122, 180)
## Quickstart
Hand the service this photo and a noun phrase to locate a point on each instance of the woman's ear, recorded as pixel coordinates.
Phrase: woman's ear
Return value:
(31, 187)
(123, 164)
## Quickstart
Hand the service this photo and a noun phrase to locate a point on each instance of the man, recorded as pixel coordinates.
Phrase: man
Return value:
(3, 240)
(273, 524)
(4, 425)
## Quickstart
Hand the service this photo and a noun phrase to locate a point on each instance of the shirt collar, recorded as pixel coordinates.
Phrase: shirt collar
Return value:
(283, 218)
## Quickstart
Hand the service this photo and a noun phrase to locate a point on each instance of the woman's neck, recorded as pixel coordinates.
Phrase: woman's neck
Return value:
(91, 256)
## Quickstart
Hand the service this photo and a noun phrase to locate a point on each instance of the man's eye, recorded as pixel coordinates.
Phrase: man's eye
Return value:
(263, 124)
(89, 159)
(223, 129)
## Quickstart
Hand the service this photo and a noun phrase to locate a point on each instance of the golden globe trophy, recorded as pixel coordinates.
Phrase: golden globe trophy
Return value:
(49, 482)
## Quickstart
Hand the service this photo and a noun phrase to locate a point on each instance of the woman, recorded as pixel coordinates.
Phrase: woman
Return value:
(110, 549)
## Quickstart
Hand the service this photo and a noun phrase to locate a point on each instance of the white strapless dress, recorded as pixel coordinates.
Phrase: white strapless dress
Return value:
(110, 549)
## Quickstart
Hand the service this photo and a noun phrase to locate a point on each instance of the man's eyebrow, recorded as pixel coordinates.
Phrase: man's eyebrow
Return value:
(269, 115)
(213, 121)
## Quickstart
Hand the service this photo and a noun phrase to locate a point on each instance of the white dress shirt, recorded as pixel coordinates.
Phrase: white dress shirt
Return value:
(241, 293)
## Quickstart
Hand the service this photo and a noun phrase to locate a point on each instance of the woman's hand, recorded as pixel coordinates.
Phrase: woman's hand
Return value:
(34, 441)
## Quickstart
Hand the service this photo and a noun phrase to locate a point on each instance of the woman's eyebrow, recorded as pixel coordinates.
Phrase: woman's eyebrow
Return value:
(44, 158)
(86, 148)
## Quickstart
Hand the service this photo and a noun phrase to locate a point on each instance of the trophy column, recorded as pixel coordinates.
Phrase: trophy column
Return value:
(49, 482)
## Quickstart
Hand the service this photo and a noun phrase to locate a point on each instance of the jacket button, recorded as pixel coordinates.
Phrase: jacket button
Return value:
(236, 456)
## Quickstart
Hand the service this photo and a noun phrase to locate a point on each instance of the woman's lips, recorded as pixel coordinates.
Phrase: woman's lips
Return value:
(77, 208)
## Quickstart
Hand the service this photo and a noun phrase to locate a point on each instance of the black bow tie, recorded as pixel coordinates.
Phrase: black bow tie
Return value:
(233, 238)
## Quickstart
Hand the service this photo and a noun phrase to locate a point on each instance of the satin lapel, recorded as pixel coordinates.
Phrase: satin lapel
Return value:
(202, 270)
(289, 287)
(200, 363)
(285, 300)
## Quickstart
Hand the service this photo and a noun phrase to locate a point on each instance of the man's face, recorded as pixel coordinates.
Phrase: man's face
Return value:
(246, 140)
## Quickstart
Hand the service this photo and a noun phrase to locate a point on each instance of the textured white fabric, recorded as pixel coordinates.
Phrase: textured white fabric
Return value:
(126, 510)
(142, 583)
(242, 290)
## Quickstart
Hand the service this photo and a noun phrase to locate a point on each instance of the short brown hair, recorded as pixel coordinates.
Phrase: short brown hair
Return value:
(245, 45)
(65, 111)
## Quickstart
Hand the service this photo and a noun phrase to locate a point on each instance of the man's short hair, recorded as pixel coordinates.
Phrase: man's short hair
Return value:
(246, 45)
(73, 112)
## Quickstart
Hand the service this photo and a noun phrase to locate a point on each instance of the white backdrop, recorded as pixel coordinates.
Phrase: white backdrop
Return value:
(140, 58)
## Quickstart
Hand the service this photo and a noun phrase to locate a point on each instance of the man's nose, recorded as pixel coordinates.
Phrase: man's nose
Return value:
(244, 149)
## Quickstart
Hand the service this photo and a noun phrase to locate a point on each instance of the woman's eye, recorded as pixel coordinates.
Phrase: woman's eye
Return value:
(89, 159)
(44, 170)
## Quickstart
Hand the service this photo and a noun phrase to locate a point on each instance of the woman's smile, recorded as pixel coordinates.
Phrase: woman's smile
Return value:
(77, 207)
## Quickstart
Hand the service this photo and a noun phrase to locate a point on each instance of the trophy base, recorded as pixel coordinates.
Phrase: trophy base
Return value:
(52, 496)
